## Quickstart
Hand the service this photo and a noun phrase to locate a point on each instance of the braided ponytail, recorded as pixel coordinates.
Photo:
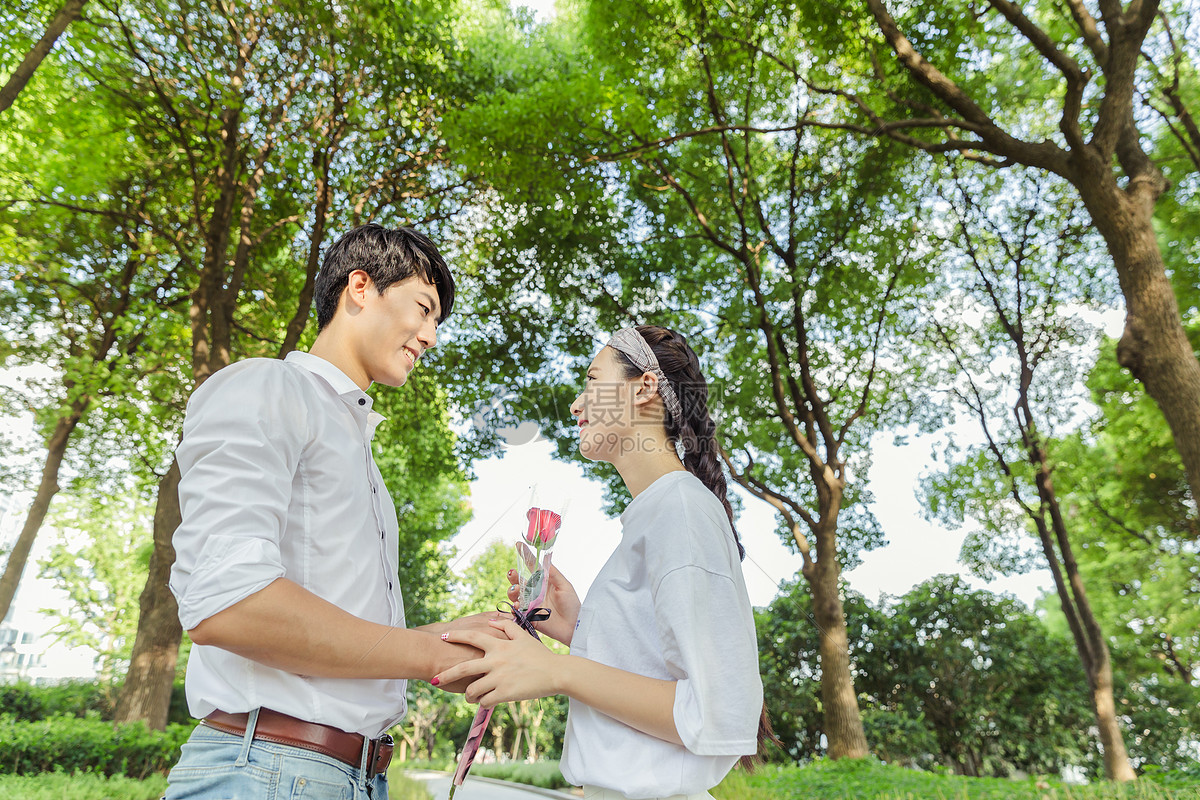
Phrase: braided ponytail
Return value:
(695, 431)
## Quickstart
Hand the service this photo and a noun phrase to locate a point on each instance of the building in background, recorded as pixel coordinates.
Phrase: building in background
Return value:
(29, 651)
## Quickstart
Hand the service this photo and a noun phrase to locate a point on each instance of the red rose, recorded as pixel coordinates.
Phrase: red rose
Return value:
(543, 527)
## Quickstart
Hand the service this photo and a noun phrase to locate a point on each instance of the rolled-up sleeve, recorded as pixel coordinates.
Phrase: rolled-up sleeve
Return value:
(241, 445)
(710, 646)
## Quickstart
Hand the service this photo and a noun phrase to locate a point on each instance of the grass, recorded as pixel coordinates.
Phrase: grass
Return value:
(61, 786)
(402, 787)
(870, 780)
(823, 780)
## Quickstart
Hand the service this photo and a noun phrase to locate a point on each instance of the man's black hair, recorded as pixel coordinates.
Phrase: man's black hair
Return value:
(387, 255)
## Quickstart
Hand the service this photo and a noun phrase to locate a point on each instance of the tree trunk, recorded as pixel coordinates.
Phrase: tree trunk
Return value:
(295, 326)
(843, 723)
(1154, 346)
(515, 752)
(69, 12)
(1116, 757)
(146, 694)
(56, 448)
(1089, 638)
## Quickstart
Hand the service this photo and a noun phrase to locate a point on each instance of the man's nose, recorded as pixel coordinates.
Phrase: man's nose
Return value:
(428, 335)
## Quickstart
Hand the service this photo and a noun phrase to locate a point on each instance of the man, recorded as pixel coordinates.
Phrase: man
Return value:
(287, 554)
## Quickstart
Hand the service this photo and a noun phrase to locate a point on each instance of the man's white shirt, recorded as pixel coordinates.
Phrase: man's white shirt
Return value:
(278, 481)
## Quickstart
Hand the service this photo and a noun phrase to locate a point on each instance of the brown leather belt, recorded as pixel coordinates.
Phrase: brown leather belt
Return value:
(327, 740)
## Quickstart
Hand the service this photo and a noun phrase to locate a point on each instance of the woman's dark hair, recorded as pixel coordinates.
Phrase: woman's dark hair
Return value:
(696, 430)
(387, 255)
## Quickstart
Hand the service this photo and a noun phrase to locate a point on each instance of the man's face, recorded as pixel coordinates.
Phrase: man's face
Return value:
(401, 326)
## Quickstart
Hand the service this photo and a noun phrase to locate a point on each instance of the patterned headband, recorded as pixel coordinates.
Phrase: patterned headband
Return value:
(634, 345)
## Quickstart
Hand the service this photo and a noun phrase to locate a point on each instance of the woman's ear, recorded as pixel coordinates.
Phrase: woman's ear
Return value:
(647, 389)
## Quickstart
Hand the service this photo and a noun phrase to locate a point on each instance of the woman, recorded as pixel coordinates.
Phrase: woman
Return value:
(662, 674)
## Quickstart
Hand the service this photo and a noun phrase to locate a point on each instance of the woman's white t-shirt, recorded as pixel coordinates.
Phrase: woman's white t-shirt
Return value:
(670, 603)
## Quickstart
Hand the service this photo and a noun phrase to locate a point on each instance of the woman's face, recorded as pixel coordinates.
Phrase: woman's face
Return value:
(605, 409)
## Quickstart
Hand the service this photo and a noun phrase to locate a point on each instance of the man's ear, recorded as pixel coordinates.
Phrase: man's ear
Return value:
(358, 283)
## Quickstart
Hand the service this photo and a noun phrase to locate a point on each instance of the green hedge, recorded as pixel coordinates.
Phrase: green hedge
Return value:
(542, 773)
(70, 744)
(71, 698)
(75, 698)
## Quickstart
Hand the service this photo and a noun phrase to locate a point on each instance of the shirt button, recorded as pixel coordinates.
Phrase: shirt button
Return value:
(362, 401)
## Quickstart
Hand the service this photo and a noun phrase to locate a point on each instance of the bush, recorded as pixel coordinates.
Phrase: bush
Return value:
(76, 698)
(542, 773)
(70, 744)
(70, 698)
(1185, 776)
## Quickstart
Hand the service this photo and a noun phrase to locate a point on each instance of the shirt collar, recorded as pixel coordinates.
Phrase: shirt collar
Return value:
(355, 398)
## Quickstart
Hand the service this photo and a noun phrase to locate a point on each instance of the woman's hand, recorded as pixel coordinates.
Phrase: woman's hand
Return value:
(473, 622)
(561, 599)
(513, 667)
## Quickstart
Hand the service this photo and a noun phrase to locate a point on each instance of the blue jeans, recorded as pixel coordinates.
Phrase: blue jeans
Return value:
(221, 766)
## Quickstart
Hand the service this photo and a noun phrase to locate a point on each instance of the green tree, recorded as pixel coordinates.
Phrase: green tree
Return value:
(948, 676)
(984, 675)
(650, 163)
(100, 564)
(1055, 87)
(1008, 370)
(92, 301)
(1126, 494)
(65, 14)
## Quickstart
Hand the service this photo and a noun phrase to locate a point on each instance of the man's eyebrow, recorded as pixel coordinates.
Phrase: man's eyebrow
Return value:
(432, 300)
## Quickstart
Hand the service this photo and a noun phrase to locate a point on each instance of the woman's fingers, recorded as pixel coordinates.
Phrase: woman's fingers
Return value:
(461, 670)
(511, 628)
(478, 639)
(480, 691)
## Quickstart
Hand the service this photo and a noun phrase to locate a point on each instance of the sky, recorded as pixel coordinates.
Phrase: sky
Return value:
(916, 549)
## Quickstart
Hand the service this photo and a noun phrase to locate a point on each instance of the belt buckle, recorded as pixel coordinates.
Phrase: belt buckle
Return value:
(376, 753)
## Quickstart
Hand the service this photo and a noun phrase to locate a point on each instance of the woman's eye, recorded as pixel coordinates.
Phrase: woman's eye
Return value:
(424, 310)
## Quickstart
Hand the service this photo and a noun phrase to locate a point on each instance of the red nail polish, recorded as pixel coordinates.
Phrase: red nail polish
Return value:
(435, 680)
